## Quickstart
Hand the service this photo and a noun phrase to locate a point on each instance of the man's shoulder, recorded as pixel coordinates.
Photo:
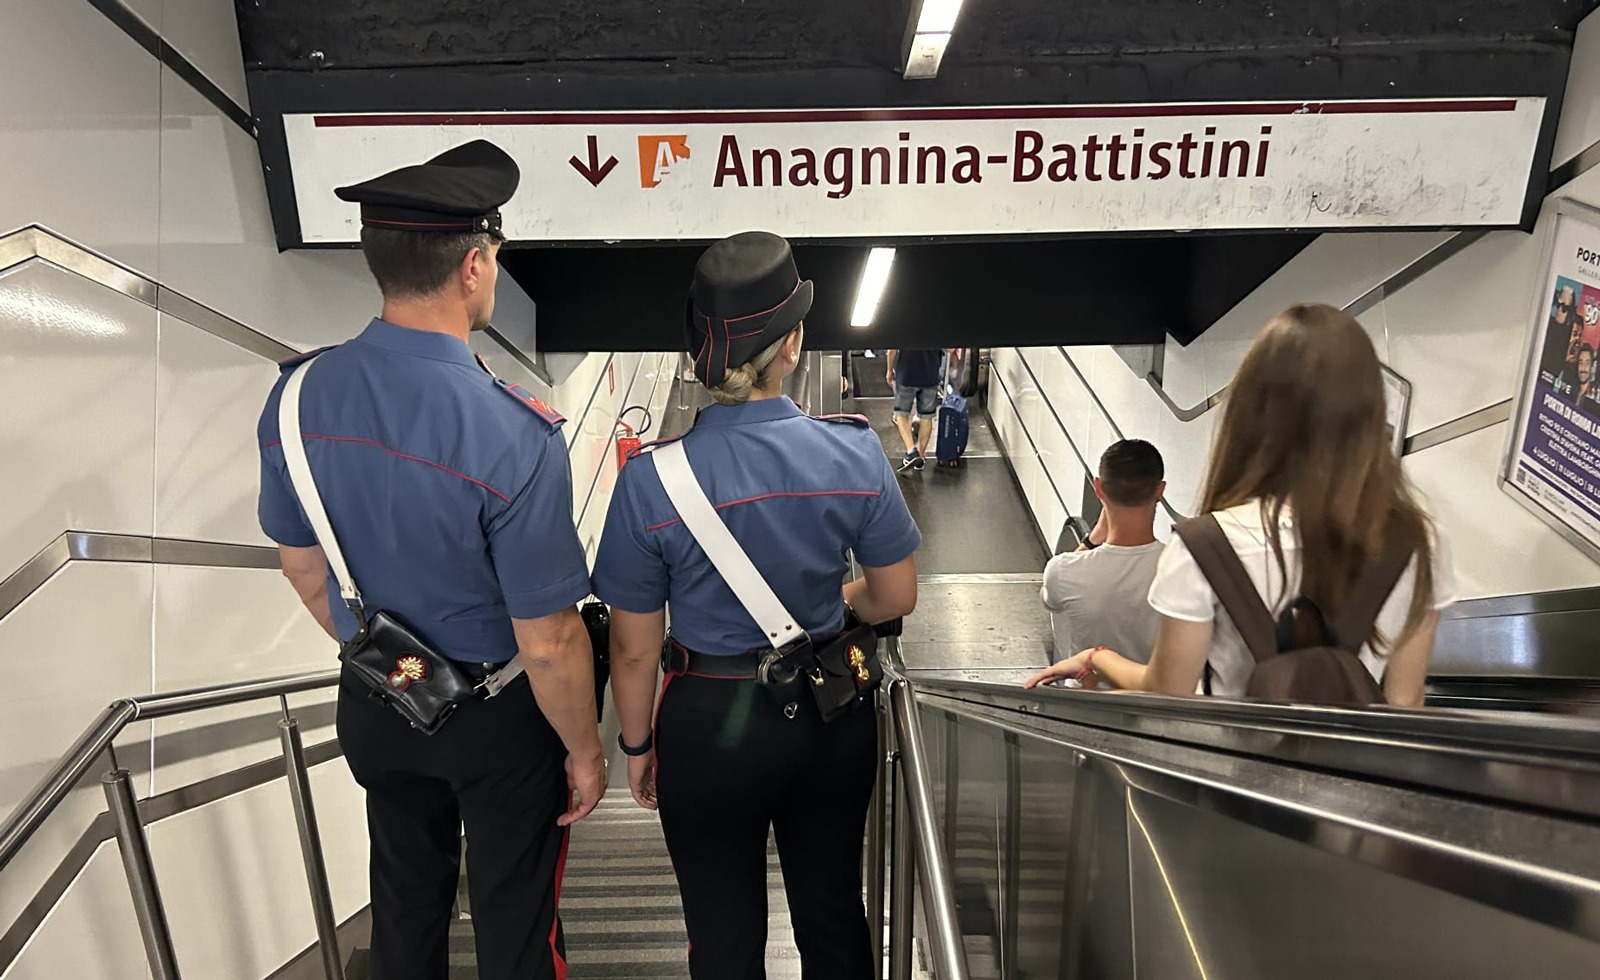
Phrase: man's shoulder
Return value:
(1068, 563)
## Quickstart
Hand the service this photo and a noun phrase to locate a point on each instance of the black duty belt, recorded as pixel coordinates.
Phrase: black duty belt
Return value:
(478, 671)
(678, 659)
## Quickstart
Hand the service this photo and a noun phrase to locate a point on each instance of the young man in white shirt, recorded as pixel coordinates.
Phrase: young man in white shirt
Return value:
(1097, 594)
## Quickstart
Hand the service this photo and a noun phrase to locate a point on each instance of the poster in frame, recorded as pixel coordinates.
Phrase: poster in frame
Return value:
(1551, 464)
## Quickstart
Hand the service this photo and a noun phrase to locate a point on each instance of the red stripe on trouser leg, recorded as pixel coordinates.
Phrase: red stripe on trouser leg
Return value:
(555, 921)
(655, 722)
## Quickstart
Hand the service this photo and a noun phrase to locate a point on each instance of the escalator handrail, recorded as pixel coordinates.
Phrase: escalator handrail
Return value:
(933, 863)
(43, 800)
(1483, 754)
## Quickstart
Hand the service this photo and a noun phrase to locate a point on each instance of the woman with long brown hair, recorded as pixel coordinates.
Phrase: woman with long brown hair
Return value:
(1306, 487)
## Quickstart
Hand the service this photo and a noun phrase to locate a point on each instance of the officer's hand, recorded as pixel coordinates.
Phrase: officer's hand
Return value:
(587, 782)
(642, 779)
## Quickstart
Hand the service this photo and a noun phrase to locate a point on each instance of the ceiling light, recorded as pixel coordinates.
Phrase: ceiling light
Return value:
(874, 279)
(938, 16)
(925, 55)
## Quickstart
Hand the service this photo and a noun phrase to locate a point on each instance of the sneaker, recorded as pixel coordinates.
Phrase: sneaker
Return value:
(911, 460)
(919, 462)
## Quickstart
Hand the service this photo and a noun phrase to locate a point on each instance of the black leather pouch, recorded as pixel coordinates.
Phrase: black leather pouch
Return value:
(399, 667)
(597, 622)
(847, 670)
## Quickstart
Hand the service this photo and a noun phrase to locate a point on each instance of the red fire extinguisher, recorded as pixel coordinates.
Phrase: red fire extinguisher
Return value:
(629, 439)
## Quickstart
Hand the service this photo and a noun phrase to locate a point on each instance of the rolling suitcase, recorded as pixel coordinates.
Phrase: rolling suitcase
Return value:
(950, 439)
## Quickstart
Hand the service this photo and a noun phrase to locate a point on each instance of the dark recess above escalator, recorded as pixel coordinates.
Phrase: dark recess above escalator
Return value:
(1071, 291)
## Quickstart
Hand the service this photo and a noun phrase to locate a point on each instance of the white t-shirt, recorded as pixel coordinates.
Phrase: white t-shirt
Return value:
(1097, 598)
(1182, 592)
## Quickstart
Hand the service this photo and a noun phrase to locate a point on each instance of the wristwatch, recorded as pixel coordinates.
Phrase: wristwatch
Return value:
(636, 750)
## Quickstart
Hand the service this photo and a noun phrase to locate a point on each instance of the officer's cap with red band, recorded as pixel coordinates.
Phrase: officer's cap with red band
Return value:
(745, 296)
(459, 191)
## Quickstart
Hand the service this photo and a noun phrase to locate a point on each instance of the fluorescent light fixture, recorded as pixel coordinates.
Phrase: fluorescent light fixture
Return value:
(938, 16)
(874, 279)
(925, 55)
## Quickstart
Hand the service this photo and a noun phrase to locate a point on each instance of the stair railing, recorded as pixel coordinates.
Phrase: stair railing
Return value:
(123, 804)
(917, 859)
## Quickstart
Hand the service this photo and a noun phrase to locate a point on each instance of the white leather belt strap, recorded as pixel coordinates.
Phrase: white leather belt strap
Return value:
(305, 485)
(714, 538)
(496, 682)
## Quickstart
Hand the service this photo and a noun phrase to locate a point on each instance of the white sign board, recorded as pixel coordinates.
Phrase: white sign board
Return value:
(1553, 460)
(869, 173)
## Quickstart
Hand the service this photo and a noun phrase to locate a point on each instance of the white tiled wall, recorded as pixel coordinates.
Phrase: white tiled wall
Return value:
(78, 362)
(90, 933)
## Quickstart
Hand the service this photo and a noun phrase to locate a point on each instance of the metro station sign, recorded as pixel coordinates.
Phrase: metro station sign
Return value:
(894, 173)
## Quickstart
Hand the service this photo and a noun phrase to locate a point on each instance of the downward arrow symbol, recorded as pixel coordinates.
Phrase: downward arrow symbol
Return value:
(593, 170)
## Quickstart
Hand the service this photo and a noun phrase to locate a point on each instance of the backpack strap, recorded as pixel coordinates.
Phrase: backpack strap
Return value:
(1221, 566)
(1352, 625)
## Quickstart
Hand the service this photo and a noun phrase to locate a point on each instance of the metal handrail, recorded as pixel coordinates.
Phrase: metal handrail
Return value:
(918, 828)
(97, 739)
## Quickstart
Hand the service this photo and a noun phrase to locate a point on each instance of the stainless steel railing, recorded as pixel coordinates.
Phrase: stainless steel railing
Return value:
(916, 856)
(122, 802)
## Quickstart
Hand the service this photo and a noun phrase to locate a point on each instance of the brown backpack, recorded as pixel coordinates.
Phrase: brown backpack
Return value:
(1329, 672)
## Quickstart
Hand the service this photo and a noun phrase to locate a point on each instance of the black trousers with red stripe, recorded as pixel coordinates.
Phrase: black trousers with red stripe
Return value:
(729, 766)
(497, 768)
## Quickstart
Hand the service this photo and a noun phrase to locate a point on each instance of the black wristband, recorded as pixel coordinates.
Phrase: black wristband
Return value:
(636, 750)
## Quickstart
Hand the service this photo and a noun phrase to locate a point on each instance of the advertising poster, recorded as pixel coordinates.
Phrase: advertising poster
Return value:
(1553, 466)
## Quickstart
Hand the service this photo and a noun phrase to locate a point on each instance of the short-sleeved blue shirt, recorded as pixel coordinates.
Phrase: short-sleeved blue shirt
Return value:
(450, 491)
(798, 493)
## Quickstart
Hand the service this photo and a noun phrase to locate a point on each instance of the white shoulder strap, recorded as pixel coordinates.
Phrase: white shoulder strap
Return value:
(713, 536)
(305, 485)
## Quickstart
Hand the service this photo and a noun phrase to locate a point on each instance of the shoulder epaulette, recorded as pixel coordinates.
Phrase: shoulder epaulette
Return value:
(295, 360)
(856, 420)
(535, 405)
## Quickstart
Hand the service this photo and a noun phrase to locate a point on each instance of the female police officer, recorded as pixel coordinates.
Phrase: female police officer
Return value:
(725, 761)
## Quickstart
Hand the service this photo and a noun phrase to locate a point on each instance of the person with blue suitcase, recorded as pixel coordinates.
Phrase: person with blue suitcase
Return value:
(953, 421)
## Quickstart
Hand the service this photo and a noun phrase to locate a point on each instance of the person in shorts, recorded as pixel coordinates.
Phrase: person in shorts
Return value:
(914, 375)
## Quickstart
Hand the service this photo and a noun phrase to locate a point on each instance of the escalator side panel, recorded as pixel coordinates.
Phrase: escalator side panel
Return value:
(1074, 864)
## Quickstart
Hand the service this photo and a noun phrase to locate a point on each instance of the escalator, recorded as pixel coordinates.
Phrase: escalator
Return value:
(1116, 836)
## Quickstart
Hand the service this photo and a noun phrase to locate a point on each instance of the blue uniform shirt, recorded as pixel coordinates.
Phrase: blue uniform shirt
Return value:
(798, 493)
(450, 491)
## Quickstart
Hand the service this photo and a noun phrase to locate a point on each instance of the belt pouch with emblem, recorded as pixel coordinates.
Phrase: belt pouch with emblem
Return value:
(837, 675)
(847, 669)
(400, 667)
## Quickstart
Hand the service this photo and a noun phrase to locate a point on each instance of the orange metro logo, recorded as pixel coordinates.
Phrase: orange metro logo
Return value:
(658, 155)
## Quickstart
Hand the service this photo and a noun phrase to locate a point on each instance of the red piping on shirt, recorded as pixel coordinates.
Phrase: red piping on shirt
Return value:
(769, 496)
(396, 452)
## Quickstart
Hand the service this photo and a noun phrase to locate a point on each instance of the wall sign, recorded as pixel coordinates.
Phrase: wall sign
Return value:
(880, 173)
(1553, 460)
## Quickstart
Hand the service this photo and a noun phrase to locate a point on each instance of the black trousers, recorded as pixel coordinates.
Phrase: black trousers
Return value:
(496, 767)
(729, 764)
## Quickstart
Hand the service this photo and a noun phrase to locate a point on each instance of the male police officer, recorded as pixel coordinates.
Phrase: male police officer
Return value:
(450, 495)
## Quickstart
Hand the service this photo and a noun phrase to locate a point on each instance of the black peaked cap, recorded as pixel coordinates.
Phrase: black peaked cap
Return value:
(460, 190)
(746, 294)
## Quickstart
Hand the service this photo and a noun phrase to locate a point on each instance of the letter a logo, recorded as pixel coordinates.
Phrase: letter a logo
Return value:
(658, 155)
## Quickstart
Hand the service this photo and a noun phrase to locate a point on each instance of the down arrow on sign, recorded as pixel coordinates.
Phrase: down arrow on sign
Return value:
(593, 170)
